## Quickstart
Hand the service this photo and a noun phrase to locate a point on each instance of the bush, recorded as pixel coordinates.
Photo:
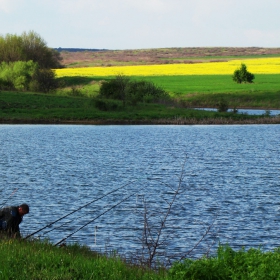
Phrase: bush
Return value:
(111, 89)
(17, 75)
(106, 105)
(132, 92)
(143, 91)
(223, 106)
(44, 80)
(26, 75)
(241, 75)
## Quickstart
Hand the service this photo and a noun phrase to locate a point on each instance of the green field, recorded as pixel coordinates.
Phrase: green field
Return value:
(181, 85)
(204, 91)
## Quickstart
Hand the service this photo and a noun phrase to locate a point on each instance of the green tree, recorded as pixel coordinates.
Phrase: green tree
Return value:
(35, 48)
(28, 46)
(242, 75)
(10, 48)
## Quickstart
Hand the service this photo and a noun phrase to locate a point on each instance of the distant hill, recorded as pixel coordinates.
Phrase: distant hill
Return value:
(75, 57)
(78, 50)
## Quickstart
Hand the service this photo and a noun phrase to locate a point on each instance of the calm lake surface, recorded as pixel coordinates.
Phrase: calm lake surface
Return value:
(231, 183)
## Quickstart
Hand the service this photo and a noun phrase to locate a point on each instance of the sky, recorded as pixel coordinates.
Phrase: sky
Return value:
(144, 24)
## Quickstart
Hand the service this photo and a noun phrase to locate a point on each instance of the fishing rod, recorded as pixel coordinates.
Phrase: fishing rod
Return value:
(65, 223)
(83, 206)
(115, 205)
(4, 202)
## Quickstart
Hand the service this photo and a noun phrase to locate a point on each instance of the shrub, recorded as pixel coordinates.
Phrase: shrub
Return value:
(106, 105)
(121, 88)
(223, 106)
(17, 75)
(26, 75)
(241, 75)
(143, 91)
(44, 80)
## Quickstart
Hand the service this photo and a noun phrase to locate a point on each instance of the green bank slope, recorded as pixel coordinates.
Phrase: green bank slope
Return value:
(41, 260)
(19, 107)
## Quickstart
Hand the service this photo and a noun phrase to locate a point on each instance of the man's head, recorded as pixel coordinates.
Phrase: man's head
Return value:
(23, 209)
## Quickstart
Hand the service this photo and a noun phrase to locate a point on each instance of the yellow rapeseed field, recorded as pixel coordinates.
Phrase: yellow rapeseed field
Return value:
(255, 66)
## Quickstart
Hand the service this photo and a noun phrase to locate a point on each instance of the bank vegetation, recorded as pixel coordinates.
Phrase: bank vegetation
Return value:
(32, 260)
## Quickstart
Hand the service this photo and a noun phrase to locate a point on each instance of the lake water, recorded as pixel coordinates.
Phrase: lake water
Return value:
(247, 111)
(231, 183)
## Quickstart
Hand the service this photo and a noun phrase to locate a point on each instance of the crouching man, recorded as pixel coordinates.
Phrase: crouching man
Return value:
(10, 218)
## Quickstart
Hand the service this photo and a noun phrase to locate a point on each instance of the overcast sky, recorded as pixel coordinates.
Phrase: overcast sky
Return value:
(141, 24)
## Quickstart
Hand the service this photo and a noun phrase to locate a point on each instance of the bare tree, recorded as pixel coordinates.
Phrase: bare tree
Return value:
(157, 233)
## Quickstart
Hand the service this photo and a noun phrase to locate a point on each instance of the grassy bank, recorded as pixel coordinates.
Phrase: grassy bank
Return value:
(41, 260)
(19, 107)
(36, 260)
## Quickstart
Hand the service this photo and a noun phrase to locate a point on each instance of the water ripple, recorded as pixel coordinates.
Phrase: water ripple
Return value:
(231, 178)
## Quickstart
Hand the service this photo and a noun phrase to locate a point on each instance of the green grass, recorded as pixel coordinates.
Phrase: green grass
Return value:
(205, 91)
(38, 260)
(41, 260)
(229, 264)
(197, 84)
(35, 107)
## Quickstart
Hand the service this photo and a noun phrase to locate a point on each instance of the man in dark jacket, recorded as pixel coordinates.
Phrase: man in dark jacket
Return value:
(11, 217)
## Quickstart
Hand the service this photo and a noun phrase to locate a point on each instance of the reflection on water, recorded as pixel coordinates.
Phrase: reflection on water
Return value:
(231, 179)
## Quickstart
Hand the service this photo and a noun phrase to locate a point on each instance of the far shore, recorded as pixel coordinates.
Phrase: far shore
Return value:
(175, 121)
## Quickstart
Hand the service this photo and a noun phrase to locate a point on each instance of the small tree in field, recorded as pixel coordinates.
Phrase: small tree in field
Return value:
(242, 75)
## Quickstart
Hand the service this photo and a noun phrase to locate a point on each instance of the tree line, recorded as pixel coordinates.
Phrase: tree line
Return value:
(26, 63)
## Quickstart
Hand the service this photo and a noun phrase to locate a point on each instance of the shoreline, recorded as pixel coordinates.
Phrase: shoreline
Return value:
(178, 121)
